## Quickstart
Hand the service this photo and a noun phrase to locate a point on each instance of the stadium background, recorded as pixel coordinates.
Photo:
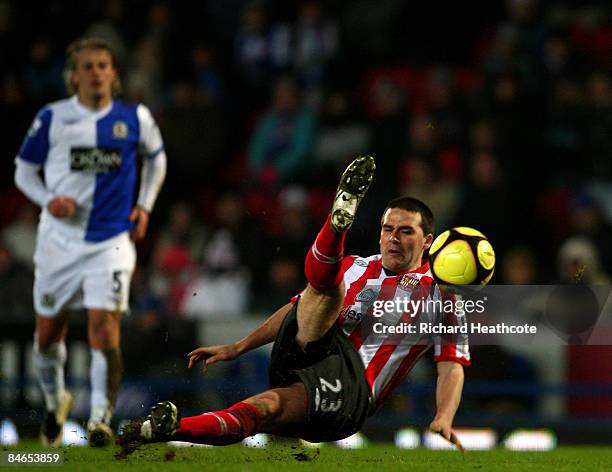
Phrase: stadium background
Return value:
(498, 115)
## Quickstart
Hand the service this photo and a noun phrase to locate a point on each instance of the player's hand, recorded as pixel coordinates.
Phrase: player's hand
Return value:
(140, 216)
(62, 207)
(444, 429)
(211, 354)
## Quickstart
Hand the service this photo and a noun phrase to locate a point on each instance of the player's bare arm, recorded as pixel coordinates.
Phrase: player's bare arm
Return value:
(448, 397)
(264, 334)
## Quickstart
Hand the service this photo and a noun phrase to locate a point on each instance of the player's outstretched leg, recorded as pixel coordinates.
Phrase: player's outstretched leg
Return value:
(272, 411)
(218, 428)
(322, 299)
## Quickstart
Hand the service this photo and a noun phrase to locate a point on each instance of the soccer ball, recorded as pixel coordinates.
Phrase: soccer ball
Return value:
(462, 256)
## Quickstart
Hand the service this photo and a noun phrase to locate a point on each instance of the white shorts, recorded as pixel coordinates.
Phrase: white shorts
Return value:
(72, 273)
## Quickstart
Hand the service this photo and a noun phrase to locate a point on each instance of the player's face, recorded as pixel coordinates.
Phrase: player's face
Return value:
(93, 77)
(402, 241)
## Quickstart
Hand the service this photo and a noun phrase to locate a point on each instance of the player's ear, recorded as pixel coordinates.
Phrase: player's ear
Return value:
(73, 79)
(428, 241)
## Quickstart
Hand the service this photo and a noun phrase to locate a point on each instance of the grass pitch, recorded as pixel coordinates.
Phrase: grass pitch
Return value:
(287, 457)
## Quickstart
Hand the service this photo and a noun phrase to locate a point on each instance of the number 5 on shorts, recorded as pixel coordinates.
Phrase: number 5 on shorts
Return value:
(117, 285)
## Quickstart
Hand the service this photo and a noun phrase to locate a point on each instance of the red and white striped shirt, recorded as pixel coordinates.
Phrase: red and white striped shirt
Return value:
(389, 357)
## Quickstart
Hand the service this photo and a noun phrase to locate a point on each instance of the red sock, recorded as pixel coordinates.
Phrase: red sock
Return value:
(322, 267)
(220, 427)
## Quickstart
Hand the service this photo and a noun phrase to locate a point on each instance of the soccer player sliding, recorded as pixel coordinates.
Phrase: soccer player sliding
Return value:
(329, 369)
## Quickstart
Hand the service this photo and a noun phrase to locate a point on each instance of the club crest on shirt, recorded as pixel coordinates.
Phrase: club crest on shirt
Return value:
(120, 130)
(409, 281)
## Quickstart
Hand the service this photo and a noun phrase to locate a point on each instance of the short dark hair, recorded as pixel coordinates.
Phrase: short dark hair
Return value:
(416, 206)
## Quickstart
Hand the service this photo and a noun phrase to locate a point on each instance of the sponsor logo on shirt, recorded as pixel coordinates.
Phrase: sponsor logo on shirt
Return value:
(366, 295)
(95, 160)
(350, 314)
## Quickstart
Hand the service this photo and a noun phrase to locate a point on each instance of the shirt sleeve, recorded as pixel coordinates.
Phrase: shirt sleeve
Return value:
(151, 180)
(451, 347)
(35, 146)
(28, 180)
(150, 143)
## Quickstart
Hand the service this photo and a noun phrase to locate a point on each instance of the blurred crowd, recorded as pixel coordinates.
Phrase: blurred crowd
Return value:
(503, 123)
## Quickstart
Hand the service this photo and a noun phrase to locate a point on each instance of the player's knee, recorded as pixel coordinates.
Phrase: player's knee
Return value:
(48, 334)
(104, 333)
(44, 339)
(335, 292)
(270, 404)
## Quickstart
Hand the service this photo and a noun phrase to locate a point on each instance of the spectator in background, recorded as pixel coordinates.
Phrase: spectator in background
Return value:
(110, 27)
(587, 219)
(149, 58)
(578, 260)
(182, 228)
(195, 132)
(15, 116)
(524, 19)
(280, 145)
(233, 255)
(209, 88)
(20, 235)
(340, 136)
(15, 280)
(447, 111)
(423, 179)
(291, 238)
(427, 142)
(565, 133)
(284, 280)
(599, 113)
(599, 140)
(423, 138)
(309, 46)
(483, 137)
(259, 52)
(9, 56)
(43, 72)
(486, 196)
(519, 267)
(389, 139)
(174, 272)
(143, 81)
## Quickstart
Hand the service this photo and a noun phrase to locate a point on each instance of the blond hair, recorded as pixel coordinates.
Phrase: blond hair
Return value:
(72, 53)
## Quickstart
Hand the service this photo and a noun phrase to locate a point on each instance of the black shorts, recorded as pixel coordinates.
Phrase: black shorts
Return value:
(333, 374)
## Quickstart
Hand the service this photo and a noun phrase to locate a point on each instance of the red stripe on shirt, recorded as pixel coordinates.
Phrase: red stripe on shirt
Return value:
(372, 272)
(392, 342)
(415, 352)
(365, 327)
